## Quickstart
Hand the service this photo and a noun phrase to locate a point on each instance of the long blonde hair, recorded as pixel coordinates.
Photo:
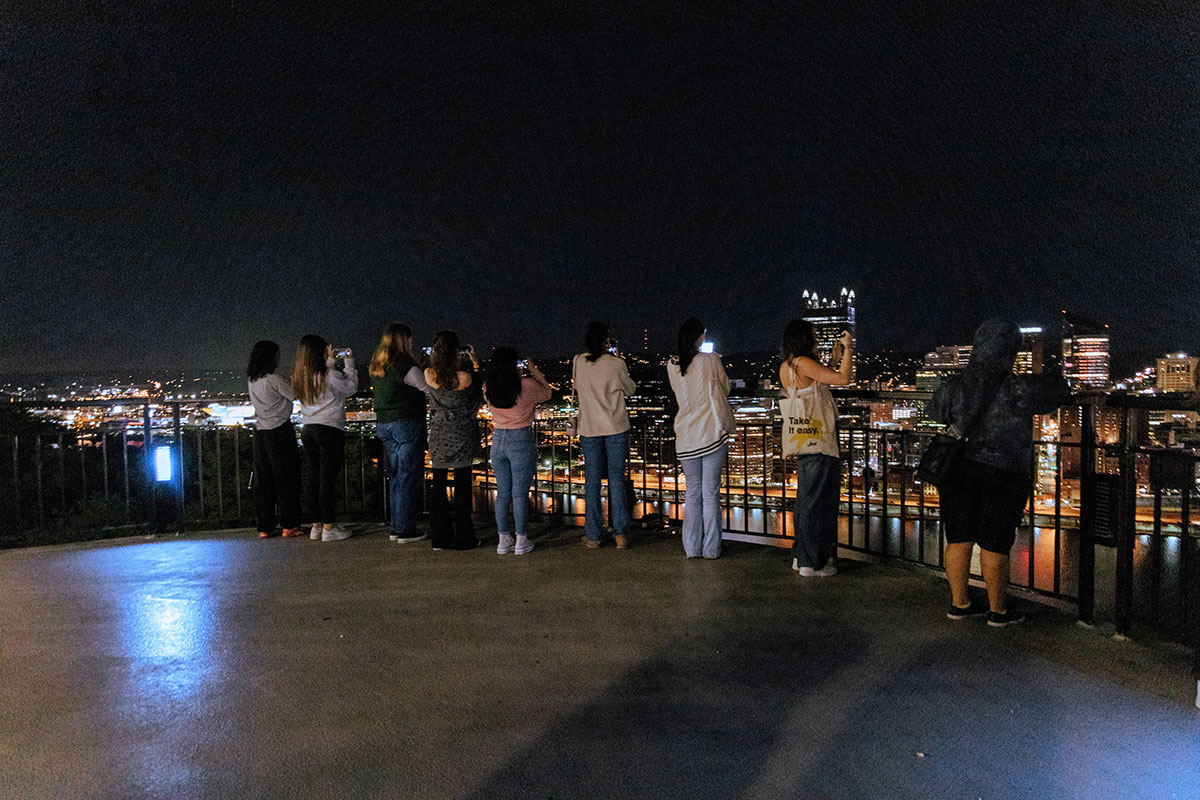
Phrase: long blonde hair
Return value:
(396, 341)
(308, 373)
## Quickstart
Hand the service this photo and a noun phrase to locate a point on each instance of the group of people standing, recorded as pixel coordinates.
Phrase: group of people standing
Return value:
(432, 405)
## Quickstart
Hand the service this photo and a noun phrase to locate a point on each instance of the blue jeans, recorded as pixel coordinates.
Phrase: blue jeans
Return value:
(702, 504)
(818, 485)
(605, 455)
(404, 441)
(514, 457)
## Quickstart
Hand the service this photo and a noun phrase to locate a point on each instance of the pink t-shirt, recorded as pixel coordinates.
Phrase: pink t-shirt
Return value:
(534, 390)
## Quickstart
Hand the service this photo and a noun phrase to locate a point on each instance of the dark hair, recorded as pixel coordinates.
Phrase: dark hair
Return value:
(503, 382)
(263, 360)
(595, 338)
(444, 359)
(689, 334)
(799, 339)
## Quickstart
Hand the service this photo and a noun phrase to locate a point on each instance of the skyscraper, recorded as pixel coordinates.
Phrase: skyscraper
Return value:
(1177, 373)
(830, 318)
(1031, 358)
(1085, 352)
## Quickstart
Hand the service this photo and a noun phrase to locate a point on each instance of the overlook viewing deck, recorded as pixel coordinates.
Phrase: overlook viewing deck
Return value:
(215, 664)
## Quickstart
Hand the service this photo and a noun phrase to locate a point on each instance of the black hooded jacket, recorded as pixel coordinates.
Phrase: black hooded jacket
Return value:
(1003, 402)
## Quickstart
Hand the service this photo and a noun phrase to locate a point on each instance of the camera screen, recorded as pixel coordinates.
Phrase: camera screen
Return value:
(707, 347)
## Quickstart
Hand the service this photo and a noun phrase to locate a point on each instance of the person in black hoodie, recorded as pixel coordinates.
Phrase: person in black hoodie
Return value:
(983, 504)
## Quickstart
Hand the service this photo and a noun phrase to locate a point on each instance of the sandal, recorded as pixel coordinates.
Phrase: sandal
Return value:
(292, 533)
(264, 534)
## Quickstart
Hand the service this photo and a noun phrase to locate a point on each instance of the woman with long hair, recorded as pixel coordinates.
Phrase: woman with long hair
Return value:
(991, 407)
(818, 466)
(322, 386)
(602, 383)
(399, 388)
(276, 460)
(455, 395)
(511, 398)
(702, 428)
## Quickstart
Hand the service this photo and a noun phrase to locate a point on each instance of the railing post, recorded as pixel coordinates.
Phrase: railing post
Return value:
(1126, 522)
(1087, 539)
(148, 461)
(179, 498)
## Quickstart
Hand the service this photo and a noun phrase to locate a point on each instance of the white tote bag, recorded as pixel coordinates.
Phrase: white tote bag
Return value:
(809, 421)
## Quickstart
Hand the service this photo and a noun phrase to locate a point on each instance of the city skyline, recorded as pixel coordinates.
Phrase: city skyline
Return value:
(185, 182)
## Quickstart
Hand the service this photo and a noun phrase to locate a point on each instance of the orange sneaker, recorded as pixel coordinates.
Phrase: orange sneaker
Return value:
(292, 533)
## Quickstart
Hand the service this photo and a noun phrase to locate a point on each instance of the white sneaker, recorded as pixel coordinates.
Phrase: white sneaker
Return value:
(506, 545)
(523, 545)
(335, 534)
(393, 536)
(316, 531)
(827, 571)
(398, 539)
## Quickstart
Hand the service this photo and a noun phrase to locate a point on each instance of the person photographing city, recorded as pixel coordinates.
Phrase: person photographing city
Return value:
(702, 427)
(512, 398)
(992, 409)
(276, 458)
(810, 433)
(322, 379)
(602, 382)
(455, 395)
(398, 386)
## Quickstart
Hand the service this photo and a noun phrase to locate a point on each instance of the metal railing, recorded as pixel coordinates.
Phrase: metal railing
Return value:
(1091, 493)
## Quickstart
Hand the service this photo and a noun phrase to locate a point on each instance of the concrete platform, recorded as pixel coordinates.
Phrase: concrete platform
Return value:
(218, 665)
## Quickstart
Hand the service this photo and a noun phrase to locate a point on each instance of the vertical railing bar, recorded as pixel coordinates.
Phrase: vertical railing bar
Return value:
(1057, 519)
(180, 479)
(62, 476)
(104, 462)
(903, 487)
(125, 466)
(16, 453)
(1153, 552)
(82, 467)
(38, 468)
(237, 471)
(148, 465)
(220, 470)
(200, 470)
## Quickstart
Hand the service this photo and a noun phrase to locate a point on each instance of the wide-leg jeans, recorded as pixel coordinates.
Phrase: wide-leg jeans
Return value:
(324, 454)
(276, 477)
(702, 504)
(818, 483)
(605, 455)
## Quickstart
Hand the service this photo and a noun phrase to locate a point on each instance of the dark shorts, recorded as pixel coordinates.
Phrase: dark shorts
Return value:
(984, 505)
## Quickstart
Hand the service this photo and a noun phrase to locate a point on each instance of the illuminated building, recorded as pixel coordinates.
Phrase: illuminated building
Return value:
(830, 318)
(1031, 357)
(1085, 352)
(751, 446)
(1177, 373)
(940, 364)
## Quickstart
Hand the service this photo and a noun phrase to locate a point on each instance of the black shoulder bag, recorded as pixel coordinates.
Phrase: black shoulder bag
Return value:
(943, 458)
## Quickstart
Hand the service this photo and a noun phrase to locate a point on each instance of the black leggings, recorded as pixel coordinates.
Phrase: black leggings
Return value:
(324, 453)
(276, 477)
(460, 534)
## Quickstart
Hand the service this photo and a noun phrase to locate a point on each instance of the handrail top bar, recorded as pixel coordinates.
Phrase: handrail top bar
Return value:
(1171, 401)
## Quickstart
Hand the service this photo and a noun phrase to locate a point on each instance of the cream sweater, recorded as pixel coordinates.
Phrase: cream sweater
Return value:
(602, 386)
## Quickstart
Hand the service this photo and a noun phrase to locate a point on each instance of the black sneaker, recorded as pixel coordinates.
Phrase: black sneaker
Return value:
(1005, 619)
(973, 610)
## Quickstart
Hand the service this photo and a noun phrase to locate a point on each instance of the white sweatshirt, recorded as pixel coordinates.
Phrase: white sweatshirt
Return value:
(602, 386)
(705, 419)
(272, 397)
(330, 408)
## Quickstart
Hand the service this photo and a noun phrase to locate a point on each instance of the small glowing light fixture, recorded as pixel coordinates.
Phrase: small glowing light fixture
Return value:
(163, 467)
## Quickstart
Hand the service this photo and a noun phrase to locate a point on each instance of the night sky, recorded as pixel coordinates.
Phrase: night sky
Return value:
(179, 182)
